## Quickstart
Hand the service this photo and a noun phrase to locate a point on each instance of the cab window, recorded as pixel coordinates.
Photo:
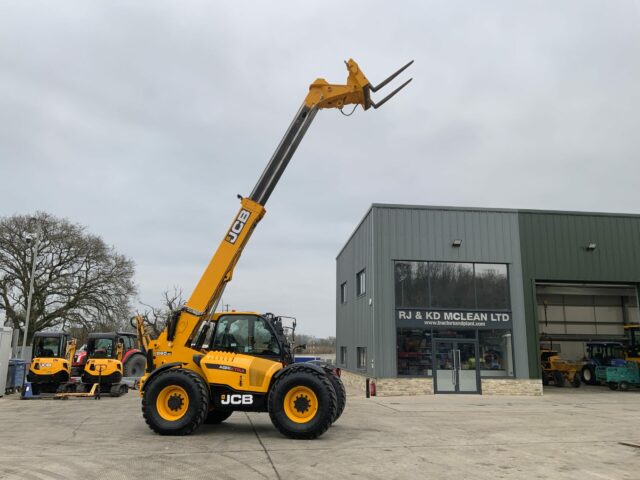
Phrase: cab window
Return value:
(47, 347)
(264, 342)
(246, 334)
(103, 348)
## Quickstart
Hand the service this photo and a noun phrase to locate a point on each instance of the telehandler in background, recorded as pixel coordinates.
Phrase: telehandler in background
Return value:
(205, 365)
(50, 368)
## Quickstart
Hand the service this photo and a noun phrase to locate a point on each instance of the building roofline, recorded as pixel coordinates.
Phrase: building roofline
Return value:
(356, 229)
(504, 210)
(401, 206)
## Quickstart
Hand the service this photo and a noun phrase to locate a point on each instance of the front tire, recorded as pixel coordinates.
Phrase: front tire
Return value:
(575, 383)
(175, 402)
(588, 375)
(302, 403)
(558, 379)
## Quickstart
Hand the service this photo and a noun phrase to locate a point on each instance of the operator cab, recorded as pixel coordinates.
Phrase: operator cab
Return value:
(49, 345)
(246, 333)
(605, 353)
(633, 340)
(102, 345)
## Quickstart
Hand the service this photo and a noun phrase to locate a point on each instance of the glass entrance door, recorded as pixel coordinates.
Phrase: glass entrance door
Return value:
(456, 366)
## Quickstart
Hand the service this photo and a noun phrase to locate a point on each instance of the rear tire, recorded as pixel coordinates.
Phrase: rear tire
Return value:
(612, 385)
(215, 417)
(175, 402)
(341, 394)
(302, 403)
(623, 386)
(135, 366)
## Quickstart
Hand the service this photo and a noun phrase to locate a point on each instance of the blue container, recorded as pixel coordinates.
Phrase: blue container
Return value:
(11, 374)
(17, 372)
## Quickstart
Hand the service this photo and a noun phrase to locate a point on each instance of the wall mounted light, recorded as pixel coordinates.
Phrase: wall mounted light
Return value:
(591, 247)
(456, 243)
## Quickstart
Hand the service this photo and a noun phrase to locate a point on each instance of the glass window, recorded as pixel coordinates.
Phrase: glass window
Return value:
(412, 284)
(263, 341)
(102, 348)
(47, 347)
(343, 355)
(414, 352)
(496, 354)
(343, 293)
(245, 334)
(232, 334)
(492, 286)
(451, 285)
(361, 283)
(362, 357)
(128, 343)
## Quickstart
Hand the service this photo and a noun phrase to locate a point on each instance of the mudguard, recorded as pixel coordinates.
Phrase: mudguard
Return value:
(298, 366)
(162, 368)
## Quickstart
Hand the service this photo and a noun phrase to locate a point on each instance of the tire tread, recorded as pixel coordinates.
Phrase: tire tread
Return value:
(324, 426)
(201, 414)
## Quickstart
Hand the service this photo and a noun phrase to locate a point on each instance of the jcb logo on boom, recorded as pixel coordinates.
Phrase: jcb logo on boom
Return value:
(236, 399)
(237, 226)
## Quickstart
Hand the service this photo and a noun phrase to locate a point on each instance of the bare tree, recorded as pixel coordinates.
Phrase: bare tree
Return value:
(155, 318)
(79, 281)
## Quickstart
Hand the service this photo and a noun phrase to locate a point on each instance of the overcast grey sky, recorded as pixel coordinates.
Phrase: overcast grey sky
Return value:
(143, 120)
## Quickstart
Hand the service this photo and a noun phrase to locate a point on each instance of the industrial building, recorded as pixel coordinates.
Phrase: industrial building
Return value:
(457, 300)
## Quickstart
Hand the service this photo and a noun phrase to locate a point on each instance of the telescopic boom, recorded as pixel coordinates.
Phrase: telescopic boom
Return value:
(205, 297)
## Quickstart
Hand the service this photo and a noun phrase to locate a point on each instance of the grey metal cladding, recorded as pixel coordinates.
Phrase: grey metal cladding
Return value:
(354, 319)
(554, 249)
(426, 233)
(554, 246)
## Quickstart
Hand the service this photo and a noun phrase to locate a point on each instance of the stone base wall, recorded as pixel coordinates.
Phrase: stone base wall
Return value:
(387, 387)
(354, 380)
(517, 386)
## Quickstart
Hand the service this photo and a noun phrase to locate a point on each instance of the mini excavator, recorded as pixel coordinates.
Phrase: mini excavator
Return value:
(50, 368)
(205, 365)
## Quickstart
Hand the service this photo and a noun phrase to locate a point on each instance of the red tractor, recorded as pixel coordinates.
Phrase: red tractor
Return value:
(134, 360)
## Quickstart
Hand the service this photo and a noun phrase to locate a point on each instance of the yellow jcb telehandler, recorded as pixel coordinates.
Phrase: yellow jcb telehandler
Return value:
(206, 365)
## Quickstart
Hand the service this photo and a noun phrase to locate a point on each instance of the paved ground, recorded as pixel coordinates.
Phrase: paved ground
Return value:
(566, 434)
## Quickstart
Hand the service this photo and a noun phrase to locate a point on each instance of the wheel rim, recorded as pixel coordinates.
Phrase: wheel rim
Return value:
(172, 403)
(587, 375)
(300, 404)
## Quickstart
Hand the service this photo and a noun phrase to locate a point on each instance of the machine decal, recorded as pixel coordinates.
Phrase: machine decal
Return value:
(163, 354)
(236, 399)
(228, 368)
(238, 226)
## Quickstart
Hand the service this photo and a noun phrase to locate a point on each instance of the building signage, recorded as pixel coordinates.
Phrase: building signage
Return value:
(452, 318)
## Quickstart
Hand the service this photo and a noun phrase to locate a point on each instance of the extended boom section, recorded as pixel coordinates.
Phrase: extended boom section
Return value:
(205, 365)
